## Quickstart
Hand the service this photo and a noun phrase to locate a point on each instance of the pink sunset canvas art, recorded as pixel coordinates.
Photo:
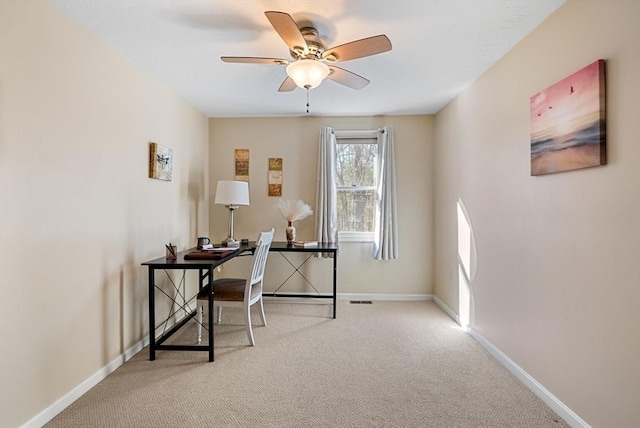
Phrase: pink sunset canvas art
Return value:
(568, 126)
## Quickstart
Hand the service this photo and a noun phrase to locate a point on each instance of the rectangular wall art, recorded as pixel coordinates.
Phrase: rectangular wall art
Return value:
(568, 126)
(160, 162)
(275, 177)
(242, 165)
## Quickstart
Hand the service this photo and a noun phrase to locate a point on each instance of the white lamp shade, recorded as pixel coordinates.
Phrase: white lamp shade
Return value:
(230, 192)
(307, 73)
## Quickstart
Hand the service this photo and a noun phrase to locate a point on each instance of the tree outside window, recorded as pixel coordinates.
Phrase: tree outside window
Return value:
(356, 166)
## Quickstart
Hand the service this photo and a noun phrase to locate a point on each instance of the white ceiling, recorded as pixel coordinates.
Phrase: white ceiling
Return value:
(439, 47)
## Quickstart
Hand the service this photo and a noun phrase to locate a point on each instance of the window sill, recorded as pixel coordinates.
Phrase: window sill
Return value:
(355, 237)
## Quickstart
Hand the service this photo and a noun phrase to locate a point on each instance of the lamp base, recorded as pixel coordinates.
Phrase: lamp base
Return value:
(232, 243)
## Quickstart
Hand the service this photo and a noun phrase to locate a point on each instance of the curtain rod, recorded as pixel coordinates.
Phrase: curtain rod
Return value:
(365, 133)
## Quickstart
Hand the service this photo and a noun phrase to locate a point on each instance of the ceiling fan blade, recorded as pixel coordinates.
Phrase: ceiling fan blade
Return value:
(254, 60)
(288, 85)
(347, 78)
(358, 49)
(286, 27)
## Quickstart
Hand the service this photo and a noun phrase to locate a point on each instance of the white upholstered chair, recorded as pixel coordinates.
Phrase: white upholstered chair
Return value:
(239, 292)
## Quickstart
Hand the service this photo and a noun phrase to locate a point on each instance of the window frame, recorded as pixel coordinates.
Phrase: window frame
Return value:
(372, 136)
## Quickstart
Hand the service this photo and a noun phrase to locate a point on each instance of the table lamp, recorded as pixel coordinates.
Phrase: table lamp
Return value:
(232, 194)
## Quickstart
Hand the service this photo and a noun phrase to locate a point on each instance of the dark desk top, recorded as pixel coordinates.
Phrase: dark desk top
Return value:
(322, 247)
(181, 262)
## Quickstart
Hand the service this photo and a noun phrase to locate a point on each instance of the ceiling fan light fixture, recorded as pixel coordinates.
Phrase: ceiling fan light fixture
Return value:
(307, 73)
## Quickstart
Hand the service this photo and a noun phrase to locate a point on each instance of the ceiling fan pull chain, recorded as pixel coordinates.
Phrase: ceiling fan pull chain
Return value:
(307, 100)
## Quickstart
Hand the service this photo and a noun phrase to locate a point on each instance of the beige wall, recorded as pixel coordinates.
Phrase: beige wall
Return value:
(557, 287)
(558, 280)
(296, 141)
(79, 213)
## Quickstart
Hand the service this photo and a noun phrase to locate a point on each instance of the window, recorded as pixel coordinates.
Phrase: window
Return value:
(356, 178)
(356, 198)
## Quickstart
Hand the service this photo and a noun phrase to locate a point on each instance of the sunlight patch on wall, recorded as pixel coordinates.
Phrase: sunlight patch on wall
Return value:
(466, 265)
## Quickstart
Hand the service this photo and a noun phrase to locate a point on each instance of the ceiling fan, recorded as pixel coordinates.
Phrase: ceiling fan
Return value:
(312, 62)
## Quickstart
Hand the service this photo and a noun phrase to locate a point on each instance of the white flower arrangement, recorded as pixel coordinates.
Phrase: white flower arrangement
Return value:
(293, 210)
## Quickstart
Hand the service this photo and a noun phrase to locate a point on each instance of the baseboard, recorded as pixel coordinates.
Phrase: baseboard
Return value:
(396, 297)
(52, 411)
(360, 296)
(540, 391)
(447, 309)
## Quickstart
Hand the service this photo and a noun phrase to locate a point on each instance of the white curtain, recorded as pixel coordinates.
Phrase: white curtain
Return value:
(326, 215)
(385, 246)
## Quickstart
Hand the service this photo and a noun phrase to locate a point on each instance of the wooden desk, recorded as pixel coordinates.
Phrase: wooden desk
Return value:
(205, 270)
(322, 247)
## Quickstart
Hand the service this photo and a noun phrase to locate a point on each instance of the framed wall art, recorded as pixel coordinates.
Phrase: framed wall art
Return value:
(160, 162)
(568, 122)
(242, 165)
(275, 177)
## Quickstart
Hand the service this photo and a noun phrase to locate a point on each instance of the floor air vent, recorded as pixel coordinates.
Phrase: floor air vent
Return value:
(360, 302)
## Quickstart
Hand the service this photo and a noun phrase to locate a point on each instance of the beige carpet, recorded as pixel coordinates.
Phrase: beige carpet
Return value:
(388, 364)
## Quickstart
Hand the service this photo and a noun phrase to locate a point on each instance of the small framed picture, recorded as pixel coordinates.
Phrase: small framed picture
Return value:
(160, 162)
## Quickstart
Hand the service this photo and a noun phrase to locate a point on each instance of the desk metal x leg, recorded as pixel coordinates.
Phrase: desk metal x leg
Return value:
(184, 306)
(329, 247)
(296, 270)
(157, 343)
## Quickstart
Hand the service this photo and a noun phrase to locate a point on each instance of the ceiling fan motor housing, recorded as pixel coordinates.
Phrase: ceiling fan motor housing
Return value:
(314, 48)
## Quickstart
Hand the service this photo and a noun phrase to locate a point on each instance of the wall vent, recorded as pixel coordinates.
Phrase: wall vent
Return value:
(360, 302)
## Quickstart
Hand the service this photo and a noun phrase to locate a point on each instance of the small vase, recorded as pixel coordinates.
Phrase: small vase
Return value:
(291, 233)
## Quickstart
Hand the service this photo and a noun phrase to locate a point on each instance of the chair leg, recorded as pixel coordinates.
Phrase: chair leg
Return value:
(219, 321)
(247, 321)
(264, 320)
(200, 309)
